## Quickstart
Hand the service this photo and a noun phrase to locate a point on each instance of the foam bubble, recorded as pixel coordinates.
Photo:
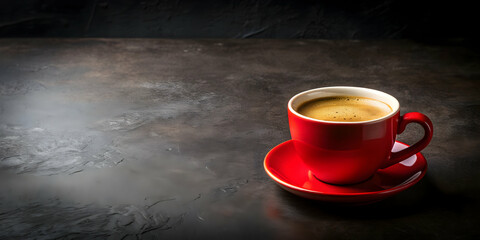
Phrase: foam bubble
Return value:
(344, 109)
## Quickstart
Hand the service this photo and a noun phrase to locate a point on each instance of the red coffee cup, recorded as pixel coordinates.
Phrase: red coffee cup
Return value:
(351, 152)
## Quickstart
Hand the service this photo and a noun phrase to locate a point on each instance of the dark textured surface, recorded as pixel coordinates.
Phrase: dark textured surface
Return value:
(126, 139)
(340, 19)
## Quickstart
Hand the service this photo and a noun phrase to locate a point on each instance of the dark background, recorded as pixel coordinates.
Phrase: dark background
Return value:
(189, 121)
(363, 19)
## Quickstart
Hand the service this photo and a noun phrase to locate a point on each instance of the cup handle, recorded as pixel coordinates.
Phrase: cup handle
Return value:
(403, 121)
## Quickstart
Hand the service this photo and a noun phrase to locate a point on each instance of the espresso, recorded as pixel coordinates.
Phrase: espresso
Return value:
(344, 109)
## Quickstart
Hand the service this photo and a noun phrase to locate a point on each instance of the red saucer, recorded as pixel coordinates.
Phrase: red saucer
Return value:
(285, 167)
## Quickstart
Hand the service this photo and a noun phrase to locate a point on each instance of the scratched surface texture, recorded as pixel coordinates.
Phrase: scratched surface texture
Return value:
(149, 139)
(340, 19)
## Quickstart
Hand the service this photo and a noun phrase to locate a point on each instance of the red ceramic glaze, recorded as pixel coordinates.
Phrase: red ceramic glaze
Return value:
(286, 168)
(351, 152)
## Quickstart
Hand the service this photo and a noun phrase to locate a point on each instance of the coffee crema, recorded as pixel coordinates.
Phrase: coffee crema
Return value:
(344, 109)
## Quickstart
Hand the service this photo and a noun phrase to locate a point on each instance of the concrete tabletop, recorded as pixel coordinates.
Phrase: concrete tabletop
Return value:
(160, 138)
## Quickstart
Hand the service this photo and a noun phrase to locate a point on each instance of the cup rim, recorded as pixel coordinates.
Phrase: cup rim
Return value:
(393, 113)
